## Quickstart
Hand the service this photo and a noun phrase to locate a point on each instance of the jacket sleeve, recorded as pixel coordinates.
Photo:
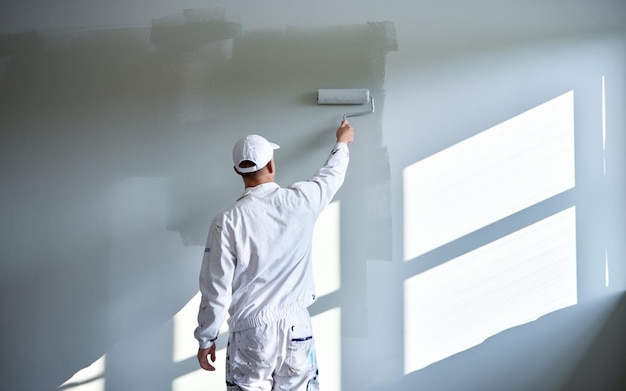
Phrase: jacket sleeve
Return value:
(322, 187)
(216, 276)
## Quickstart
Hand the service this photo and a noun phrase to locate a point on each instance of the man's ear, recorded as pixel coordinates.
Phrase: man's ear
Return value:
(270, 166)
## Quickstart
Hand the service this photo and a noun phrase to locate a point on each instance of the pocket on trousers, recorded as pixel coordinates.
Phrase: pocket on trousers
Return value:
(300, 349)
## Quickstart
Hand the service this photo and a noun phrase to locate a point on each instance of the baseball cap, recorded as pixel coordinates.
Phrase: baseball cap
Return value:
(254, 148)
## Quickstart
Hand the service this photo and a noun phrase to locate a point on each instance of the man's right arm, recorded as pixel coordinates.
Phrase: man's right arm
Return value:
(321, 188)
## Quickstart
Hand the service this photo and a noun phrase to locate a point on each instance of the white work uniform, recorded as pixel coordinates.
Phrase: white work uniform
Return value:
(257, 268)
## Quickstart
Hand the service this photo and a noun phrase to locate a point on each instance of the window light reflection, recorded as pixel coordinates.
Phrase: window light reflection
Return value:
(487, 177)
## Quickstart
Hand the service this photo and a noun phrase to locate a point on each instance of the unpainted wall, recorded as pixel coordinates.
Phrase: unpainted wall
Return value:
(115, 132)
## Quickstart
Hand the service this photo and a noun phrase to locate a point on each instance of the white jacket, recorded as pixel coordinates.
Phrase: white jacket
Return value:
(257, 262)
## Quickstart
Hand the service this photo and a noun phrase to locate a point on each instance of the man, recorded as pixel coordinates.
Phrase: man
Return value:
(257, 268)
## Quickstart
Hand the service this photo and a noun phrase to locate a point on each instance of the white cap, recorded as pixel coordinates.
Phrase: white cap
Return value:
(255, 149)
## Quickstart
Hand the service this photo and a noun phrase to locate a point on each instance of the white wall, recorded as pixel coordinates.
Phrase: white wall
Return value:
(116, 127)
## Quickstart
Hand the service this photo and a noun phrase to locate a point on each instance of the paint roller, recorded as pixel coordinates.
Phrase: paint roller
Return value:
(346, 96)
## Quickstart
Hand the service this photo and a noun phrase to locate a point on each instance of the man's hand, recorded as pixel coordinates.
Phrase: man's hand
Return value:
(203, 357)
(345, 133)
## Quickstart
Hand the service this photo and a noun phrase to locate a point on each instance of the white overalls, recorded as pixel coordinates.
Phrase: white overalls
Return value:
(257, 268)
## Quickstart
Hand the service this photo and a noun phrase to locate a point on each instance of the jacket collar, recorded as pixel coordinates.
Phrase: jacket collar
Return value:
(259, 190)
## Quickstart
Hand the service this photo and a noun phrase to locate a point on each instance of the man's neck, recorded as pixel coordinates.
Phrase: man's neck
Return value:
(249, 182)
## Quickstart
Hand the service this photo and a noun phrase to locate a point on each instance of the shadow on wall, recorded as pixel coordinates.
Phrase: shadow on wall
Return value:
(602, 366)
(541, 355)
(115, 154)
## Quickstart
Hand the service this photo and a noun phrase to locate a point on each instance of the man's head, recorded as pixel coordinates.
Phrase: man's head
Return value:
(252, 153)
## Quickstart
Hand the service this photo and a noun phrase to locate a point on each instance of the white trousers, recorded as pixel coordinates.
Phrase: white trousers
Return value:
(277, 356)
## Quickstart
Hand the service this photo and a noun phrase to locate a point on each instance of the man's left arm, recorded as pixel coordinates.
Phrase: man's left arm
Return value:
(216, 276)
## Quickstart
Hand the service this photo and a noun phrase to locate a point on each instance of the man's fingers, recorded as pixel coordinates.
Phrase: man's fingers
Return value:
(206, 366)
(203, 358)
(204, 362)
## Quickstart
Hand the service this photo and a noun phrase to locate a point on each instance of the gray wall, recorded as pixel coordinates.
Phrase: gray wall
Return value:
(116, 125)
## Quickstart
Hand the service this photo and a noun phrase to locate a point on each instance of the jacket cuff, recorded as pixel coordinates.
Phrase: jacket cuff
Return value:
(207, 344)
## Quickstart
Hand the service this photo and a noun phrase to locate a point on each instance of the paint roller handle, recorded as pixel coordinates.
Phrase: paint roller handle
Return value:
(345, 132)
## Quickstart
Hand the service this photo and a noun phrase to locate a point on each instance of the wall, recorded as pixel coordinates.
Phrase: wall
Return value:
(117, 122)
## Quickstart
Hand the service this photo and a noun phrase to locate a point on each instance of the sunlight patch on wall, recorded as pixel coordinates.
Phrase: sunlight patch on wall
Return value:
(606, 250)
(90, 378)
(487, 177)
(185, 345)
(201, 380)
(607, 280)
(509, 282)
(603, 125)
(326, 251)
(327, 332)
(327, 272)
